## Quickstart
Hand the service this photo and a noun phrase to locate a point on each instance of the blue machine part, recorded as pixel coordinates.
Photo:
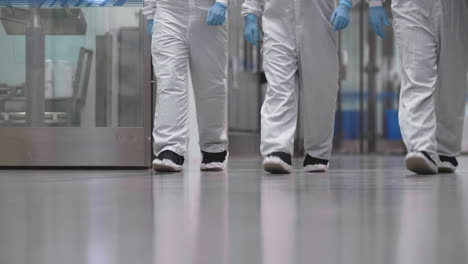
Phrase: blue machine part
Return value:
(350, 121)
(392, 127)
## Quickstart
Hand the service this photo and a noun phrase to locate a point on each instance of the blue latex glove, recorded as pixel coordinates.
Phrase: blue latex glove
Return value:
(251, 29)
(340, 17)
(216, 15)
(377, 17)
(149, 27)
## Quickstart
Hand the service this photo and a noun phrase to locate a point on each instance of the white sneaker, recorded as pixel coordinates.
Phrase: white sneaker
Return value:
(214, 161)
(447, 164)
(168, 161)
(421, 163)
(316, 168)
(277, 163)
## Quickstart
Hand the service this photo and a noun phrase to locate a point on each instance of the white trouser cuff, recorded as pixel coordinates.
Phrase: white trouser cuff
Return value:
(319, 155)
(177, 150)
(214, 149)
(224, 2)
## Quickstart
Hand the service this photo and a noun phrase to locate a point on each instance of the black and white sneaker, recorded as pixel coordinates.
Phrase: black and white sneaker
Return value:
(168, 161)
(214, 161)
(312, 164)
(448, 164)
(421, 163)
(277, 162)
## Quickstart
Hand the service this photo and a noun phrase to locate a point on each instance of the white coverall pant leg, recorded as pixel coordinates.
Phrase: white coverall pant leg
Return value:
(208, 63)
(182, 37)
(300, 50)
(279, 110)
(319, 76)
(433, 91)
(452, 86)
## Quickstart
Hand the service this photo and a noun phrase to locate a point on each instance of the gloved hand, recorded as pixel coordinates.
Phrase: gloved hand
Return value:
(216, 15)
(149, 27)
(251, 29)
(377, 17)
(340, 17)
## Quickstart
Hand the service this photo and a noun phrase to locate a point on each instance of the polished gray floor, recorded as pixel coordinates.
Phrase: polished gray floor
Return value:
(365, 210)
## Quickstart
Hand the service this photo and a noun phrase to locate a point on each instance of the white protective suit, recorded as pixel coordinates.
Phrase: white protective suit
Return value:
(432, 38)
(300, 55)
(181, 38)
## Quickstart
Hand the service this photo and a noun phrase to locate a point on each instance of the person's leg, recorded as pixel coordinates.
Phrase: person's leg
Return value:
(417, 39)
(319, 74)
(208, 62)
(450, 103)
(170, 54)
(451, 95)
(279, 110)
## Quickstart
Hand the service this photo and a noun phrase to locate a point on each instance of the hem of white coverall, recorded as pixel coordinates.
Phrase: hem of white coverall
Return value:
(318, 156)
(421, 150)
(449, 155)
(173, 149)
(282, 149)
(216, 149)
(433, 155)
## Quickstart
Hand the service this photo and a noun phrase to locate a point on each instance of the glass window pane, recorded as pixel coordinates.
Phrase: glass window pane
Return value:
(84, 67)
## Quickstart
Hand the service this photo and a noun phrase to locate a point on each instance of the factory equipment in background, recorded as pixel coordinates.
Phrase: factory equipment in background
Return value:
(245, 94)
(73, 59)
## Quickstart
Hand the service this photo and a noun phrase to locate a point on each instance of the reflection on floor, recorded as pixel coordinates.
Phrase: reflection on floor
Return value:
(365, 210)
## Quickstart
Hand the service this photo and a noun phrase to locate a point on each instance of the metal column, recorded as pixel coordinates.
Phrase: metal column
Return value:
(35, 71)
(371, 71)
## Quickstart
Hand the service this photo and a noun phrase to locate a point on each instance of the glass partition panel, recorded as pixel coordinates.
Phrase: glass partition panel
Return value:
(71, 67)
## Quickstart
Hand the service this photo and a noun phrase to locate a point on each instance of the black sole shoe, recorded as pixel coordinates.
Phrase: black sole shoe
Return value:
(448, 164)
(214, 161)
(277, 163)
(168, 161)
(312, 164)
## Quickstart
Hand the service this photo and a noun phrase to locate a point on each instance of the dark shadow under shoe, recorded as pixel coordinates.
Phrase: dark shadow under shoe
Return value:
(214, 161)
(448, 164)
(312, 164)
(168, 161)
(277, 163)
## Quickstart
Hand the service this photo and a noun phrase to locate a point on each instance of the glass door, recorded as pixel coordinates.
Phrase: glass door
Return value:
(75, 85)
(367, 113)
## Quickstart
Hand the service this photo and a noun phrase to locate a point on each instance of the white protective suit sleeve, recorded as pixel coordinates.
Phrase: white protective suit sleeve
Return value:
(253, 7)
(149, 8)
(370, 2)
(224, 2)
